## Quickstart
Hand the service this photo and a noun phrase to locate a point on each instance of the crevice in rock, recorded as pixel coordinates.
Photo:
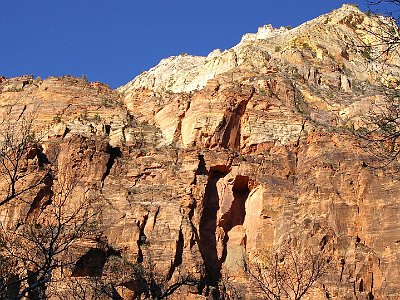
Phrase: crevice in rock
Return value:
(342, 263)
(114, 153)
(142, 240)
(361, 286)
(208, 225)
(201, 169)
(37, 151)
(370, 294)
(155, 216)
(178, 255)
(323, 242)
(227, 133)
(66, 131)
(42, 160)
(42, 198)
(91, 264)
(231, 136)
(178, 131)
(107, 129)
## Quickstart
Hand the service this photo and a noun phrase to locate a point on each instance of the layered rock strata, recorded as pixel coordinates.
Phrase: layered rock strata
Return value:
(202, 163)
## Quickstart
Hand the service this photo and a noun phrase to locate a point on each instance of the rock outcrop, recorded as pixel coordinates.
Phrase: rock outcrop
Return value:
(204, 163)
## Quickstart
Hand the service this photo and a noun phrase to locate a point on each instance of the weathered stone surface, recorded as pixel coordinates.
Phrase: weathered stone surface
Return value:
(204, 162)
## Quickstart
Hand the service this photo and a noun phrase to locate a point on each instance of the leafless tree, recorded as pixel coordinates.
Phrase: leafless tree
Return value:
(386, 7)
(18, 143)
(119, 275)
(387, 36)
(35, 251)
(85, 288)
(382, 128)
(288, 273)
(228, 290)
(147, 281)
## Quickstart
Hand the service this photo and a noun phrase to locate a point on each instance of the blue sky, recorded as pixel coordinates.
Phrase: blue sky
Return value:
(114, 40)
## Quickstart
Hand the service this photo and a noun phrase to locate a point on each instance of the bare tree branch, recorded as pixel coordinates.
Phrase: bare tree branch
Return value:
(288, 273)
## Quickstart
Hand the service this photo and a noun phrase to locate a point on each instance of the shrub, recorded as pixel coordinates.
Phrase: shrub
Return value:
(57, 118)
(96, 118)
(367, 52)
(84, 77)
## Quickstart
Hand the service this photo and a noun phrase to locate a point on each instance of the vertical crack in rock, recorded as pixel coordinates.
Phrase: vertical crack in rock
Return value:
(178, 131)
(142, 238)
(208, 225)
(228, 132)
(201, 169)
(231, 136)
(155, 216)
(107, 129)
(42, 198)
(114, 153)
(178, 254)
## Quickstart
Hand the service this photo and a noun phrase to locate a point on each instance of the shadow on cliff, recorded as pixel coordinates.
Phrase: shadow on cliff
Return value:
(208, 225)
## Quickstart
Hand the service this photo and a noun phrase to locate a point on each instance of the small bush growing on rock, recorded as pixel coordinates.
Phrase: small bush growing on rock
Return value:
(84, 115)
(263, 92)
(288, 273)
(96, 118)
(84, 77)
(366, 53)
(57, 118)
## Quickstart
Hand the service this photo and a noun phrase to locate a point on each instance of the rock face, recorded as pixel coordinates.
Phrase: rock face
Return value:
(203, 163)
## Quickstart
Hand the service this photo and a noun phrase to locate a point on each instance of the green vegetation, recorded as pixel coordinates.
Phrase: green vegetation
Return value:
(97, 118)
(263, 92)
(366, 53)
(57, 118)
(108, 101)
(84, 115)
(306, 46)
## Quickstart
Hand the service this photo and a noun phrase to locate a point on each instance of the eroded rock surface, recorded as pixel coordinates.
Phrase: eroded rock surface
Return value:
(203, 163)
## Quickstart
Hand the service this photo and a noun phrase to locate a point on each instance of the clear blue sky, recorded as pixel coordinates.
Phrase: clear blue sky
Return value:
(114, 40)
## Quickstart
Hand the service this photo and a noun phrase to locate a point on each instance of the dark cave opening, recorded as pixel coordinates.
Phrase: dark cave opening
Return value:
(107, 129)
(114, 153)
(91, 264)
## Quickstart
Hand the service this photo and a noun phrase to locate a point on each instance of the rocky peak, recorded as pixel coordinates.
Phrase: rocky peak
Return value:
(326, 64)
(342, 36)
(263, 33)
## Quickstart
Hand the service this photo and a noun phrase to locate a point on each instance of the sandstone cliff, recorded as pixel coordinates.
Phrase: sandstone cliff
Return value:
(203, 162)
